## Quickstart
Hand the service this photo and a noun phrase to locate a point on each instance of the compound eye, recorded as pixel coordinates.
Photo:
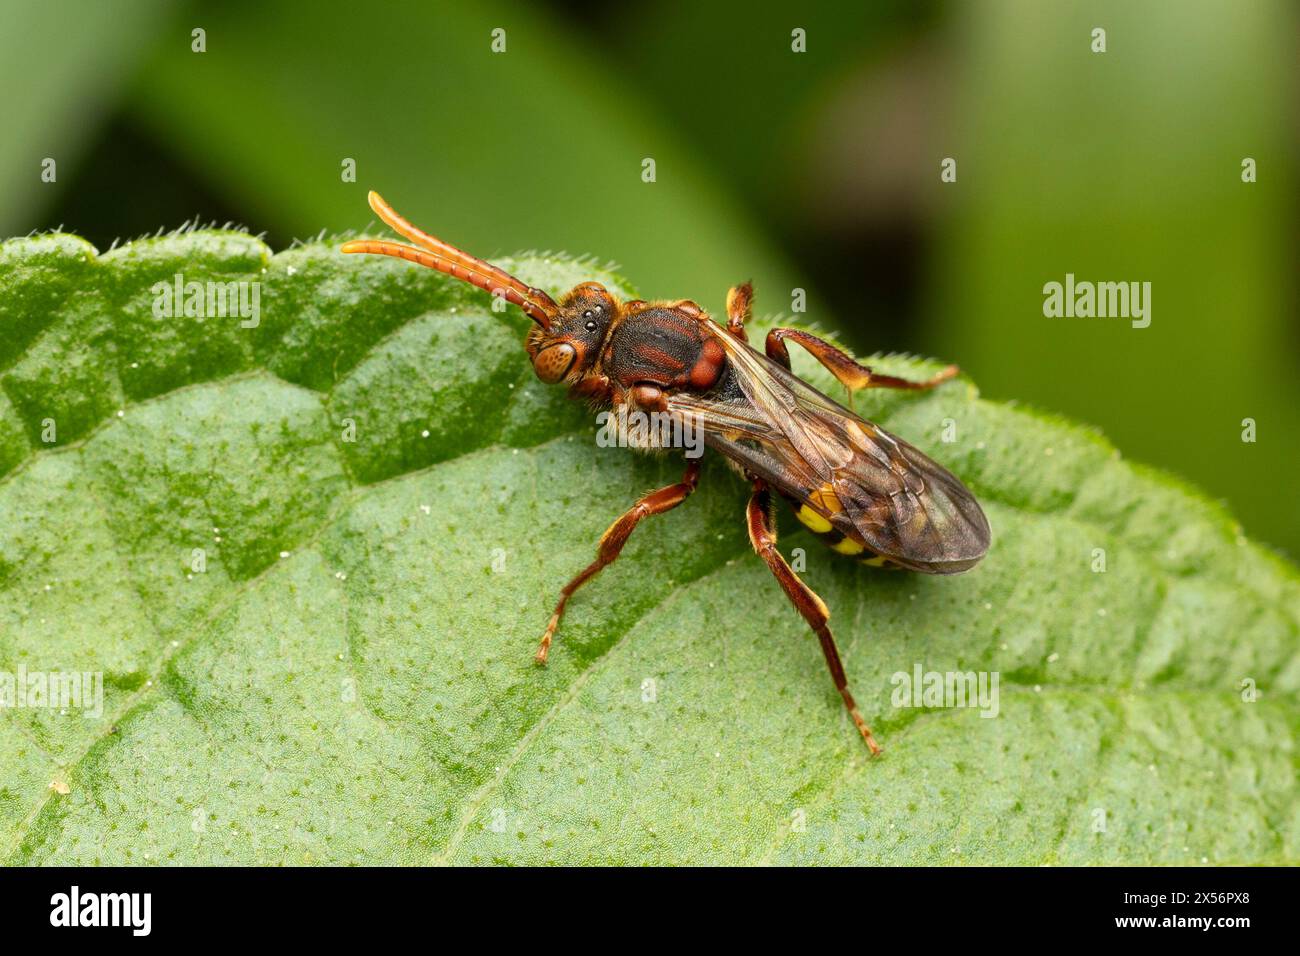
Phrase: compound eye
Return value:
(553, 362)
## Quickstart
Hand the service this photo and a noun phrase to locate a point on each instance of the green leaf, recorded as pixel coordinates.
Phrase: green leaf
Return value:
(350, 679)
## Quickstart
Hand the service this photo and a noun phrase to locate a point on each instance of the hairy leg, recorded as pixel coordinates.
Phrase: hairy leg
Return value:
(762, 534)
(612, 541)
(851, 374)
(740, 302)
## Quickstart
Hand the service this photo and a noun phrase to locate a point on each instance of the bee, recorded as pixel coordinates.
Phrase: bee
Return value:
(870, 496)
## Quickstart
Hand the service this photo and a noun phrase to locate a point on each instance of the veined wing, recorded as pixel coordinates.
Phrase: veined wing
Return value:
(864, 481)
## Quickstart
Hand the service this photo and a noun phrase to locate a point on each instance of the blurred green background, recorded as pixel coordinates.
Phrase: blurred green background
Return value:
(817, 170)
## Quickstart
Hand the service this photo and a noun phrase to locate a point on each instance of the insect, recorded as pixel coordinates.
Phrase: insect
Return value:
(868, 495)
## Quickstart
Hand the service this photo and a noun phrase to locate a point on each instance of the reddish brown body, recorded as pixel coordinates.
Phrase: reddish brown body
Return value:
(866, 493)
(650, 349)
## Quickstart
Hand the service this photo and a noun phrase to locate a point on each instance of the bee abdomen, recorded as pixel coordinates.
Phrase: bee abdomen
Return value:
(837, 540)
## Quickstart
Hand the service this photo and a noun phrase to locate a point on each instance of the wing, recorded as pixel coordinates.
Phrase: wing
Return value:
(861, 479)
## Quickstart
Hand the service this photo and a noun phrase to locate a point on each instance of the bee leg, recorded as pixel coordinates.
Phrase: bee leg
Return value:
(851, 374)
(762, 534)
(740, 300)
(612, 541)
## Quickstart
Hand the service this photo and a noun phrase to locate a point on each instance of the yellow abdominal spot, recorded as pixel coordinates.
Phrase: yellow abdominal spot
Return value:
(812, 519)
(848, 546)
(826, 499)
